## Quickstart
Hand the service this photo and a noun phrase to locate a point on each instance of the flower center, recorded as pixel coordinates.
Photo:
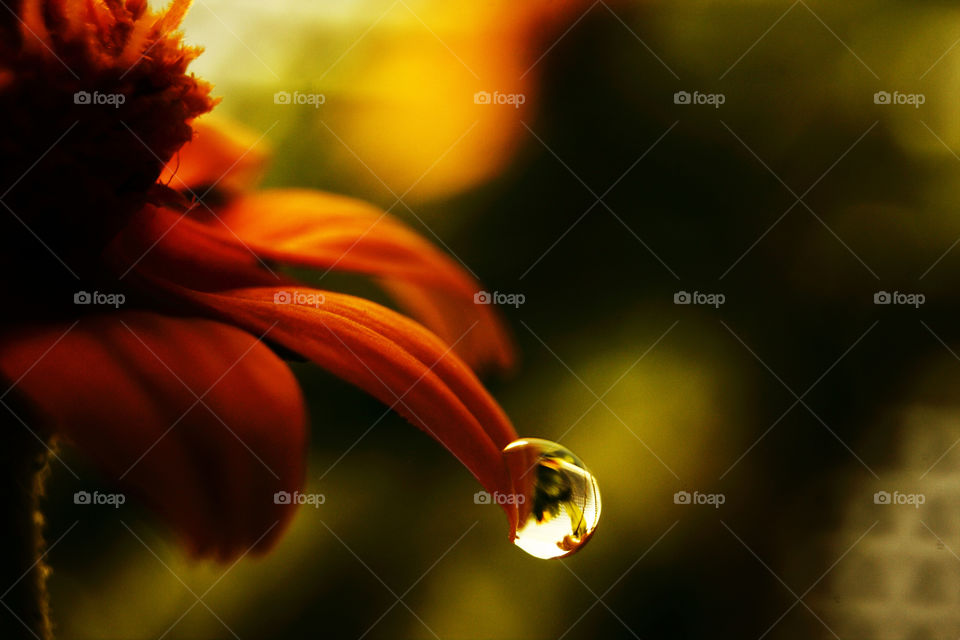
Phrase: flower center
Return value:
(96, 99)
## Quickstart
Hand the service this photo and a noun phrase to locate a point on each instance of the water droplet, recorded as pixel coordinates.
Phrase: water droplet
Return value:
(560, 504)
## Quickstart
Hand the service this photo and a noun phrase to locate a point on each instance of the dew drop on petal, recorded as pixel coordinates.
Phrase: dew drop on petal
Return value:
(558, 497)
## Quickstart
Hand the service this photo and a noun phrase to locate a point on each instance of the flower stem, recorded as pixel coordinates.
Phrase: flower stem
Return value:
(23, 591)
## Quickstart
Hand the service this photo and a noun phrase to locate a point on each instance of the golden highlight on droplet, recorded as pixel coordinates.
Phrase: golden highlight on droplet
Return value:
(560, 508)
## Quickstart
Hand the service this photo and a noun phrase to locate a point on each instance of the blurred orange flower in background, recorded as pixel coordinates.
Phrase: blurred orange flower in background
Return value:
(405, 81)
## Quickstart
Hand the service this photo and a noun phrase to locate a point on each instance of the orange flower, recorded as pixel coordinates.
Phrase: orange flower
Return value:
(179, 393)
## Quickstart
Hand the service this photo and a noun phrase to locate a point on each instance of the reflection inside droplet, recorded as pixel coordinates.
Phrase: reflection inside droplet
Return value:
(560, 504)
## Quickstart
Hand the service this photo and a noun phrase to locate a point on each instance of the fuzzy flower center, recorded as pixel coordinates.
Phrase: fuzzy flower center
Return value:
(96, 99)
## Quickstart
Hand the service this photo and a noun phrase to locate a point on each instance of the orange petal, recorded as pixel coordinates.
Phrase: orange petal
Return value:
(175, 246)
(222, 153)
(36, 36)
(325, 231)
(123, 389)
(391, 357)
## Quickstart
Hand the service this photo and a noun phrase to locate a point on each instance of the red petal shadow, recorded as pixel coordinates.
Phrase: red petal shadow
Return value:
(123, 389)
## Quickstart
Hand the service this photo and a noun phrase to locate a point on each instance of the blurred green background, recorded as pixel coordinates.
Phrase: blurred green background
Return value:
(692, 397)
